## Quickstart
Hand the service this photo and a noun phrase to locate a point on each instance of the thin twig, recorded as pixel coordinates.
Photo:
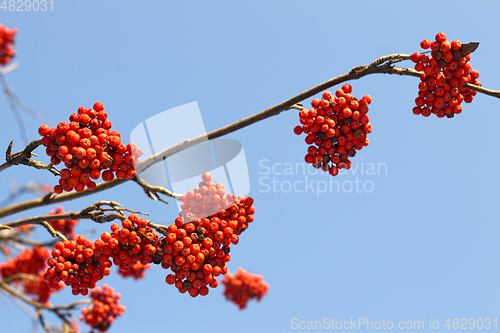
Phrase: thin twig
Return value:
(151, 190)
(57, 310)
(30, 187)
(21, 276)
(42, 320)
(5, 286)
(9, 68)
(17, 239)
(13, 107)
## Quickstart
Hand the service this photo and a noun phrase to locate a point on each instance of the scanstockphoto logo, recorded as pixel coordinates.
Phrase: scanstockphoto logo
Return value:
(281, 177)
(224, 159)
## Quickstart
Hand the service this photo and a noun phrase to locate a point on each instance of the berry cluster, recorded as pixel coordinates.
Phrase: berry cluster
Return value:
(88, 146)
(244, 286)
(198, 244)
(336, 127)
(136, 271)
(104, 309)
(64, 226)
(30, 261)
(6, 44)
(441, 91)
(134, 243)
(75, 263)
(207, 199)
(81, 263)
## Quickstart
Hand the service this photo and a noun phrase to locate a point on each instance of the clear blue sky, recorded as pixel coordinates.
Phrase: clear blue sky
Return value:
(422, 244)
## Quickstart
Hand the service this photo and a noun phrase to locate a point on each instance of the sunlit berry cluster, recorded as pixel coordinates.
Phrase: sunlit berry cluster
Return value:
(32, 262)
(136, 271)
(64, 226)
(104, 309)
(244, 286)
(441, 90)
(207, 199)
(89, 149)
(75, 263)
(336, 128)
(197, 249)
(134, 242)
(6, 44)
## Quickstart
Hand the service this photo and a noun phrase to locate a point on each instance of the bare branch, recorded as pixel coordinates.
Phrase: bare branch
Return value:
(52, 231)
(13, 107)
(151, 190)
(17, 239)
(493, 93)
(42, 320)
(23, 157)
(5, 286)
(59, 311)
(21, 276)
(95, 213)
(9, 68)
(160, 228)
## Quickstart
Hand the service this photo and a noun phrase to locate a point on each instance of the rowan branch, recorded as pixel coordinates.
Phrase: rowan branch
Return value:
(94, 212)
(160, 228)
(153, 191)
(382, 65)
(493, 93)
(17, 239)
(23, 157)
(53, 232)
(9, 68)
(39, 306)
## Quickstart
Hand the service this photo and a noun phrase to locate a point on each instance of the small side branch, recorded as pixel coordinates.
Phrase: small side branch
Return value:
(96, 213)
(24, 157)
(60, 311)
(160, 228)
(154, 191)
(52, 231)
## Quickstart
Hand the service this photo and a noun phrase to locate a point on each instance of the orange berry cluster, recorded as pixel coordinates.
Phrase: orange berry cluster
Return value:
(64, 226)
(198, 245)
(88, 146)
(6, 44)
(207, 199)
(136, 271)
(135, 242)
(30, 261)
(336, 127)
(244, 286)
(104, 309)
(441, 91)
(81, 263)
(75, 263)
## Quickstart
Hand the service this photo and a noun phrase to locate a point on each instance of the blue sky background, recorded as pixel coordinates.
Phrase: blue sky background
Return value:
(423, 244)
